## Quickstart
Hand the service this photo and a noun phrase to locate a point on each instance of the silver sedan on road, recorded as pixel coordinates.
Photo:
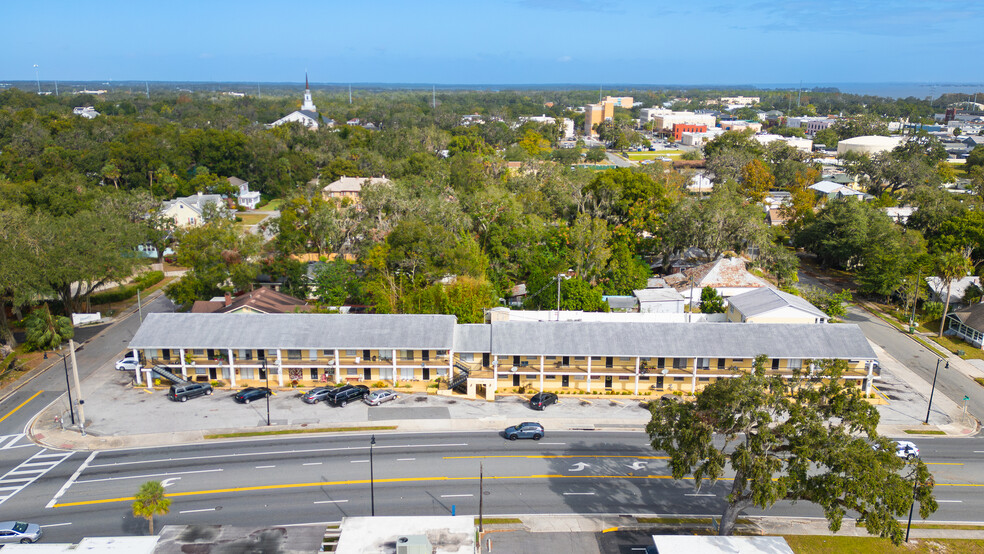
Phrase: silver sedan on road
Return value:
(375, 398)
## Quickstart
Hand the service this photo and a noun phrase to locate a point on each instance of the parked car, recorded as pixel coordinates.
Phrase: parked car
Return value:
(541, 400)
(184, 391)
(349, 394)
(377, 397)
(316, 395)
(128, 363)
(18, 531)
(250, 394)
(906, 449)
(525, 430)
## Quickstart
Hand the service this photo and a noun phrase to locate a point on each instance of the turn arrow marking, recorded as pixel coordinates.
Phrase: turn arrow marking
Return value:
(169, 481)
(636, 466)
(579, 466)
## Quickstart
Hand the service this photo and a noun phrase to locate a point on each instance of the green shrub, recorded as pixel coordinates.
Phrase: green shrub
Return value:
(146, 280)
(217, 384)
(119, 294)
(378, 385)
(932, 310)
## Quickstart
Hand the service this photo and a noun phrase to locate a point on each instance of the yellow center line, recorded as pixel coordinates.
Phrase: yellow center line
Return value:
(552, 457)
(21, 405)
(406, 480)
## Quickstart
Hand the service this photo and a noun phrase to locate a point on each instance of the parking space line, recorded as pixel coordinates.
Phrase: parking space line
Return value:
(331, 501)
(264, 467)
(312, 464)
(457, 495)
(579, 494)
(405, 459)
(196, 511)
(359, 461)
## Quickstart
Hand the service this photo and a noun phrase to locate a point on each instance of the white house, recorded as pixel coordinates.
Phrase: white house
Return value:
(937, 288)
(767, 305)
(245, 198)
(306, 116)
(87, 112)
(187, 211)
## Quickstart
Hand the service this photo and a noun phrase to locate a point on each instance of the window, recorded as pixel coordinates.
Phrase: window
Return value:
(660, 363)
(678, 378)
(578, 358)
(794, 363)
(620, 378)
(312, 355)
(406, 355)
(703, 363)
(441, 371)
(198, 352)
(386, 373)
(466, 357)
(246, 373)
(624, 359)
(386, 355)
(293, 354)
(200, 370)
(260, 354)
(721, 363)
(775, 364)
(314, 374)
(704, 379)
(580, 377)
(644, 378)
(406, 373)
(351, 353)
(425, 355)
(352, 371)
(679, 363)
(551, 358)
(328, 353)
(551, 377)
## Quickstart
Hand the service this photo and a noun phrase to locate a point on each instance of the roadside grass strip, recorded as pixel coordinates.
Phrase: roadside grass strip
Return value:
(827, 544)
(299, 431)
(924, 432)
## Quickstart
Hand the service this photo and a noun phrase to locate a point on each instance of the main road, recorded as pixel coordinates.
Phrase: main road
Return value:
(310, 479)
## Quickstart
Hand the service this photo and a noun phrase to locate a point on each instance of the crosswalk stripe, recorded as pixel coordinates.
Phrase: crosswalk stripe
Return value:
(13, 477)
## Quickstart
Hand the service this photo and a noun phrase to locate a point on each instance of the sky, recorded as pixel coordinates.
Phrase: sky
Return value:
(586, 42)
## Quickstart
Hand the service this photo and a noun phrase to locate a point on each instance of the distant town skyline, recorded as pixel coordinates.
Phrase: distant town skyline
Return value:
(508, 42)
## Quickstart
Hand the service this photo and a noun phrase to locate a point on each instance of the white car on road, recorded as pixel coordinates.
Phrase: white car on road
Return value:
(906, 449)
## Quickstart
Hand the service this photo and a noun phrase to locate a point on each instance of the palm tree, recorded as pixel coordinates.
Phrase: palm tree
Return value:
(46, 331)
(150, 501)
(950, 267)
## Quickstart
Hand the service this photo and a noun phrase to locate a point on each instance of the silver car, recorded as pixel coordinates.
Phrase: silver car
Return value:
(18, 531)
(129, 363)
(375, 398)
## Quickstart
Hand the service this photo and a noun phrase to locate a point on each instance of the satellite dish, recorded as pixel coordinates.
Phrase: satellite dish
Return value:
(513, 368)
(664, 372)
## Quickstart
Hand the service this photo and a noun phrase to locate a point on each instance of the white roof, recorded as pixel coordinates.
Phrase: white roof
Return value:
(709, 544)
(764, 300)
(446, 534)
(658, 295)
(873, 140)
(827, 187)
(353, 184)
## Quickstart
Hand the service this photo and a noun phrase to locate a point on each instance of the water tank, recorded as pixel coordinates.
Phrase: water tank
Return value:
(414, 544)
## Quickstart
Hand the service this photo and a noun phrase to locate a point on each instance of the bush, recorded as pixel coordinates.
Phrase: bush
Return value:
(217, 384)
(378, 385)
(932, 310)
(146, 280)
(119, 294)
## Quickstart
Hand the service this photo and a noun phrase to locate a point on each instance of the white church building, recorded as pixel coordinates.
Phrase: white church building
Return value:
(306, 116)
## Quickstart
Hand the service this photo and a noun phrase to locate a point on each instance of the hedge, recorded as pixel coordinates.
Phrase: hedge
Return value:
(142, 282)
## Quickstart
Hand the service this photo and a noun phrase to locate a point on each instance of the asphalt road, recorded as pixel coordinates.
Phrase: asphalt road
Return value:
(919, 359)
(308, 480)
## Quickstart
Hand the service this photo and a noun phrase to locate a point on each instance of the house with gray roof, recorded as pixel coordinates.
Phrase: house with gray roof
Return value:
(967, 324)
(768, 305)
(573, 356)
(188, 211)
(660, 300)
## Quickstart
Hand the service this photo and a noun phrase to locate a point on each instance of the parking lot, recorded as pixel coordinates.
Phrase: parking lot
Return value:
(114, 406)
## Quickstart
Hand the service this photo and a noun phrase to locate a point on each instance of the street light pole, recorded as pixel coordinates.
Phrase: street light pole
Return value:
(266, 374)
(68, 388)
(372, 488)
(933, 391)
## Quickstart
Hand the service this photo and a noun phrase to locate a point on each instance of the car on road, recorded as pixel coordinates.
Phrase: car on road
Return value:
(347, 393)
(525, 430)
(250, 394)
(183, 391)
(128, 363)
(906, 449)
(316, 395)
(18, 531)
(541, 400)
(377, 397)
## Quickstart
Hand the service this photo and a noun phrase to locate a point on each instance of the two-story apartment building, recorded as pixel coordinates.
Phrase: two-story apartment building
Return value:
(591, 357)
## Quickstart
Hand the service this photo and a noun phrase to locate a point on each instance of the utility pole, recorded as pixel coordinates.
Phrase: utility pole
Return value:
(139, 307)
(481, 495)
(434, 96)
(56, 87)
(350, 93)
(37, 76)
(78, 386)
(147, 87)
(68, 388)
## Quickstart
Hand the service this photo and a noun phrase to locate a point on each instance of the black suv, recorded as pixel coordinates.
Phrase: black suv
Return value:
(346, 393)
(184, 391)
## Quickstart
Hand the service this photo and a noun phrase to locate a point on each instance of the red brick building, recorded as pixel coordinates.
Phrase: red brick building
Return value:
(680, 128)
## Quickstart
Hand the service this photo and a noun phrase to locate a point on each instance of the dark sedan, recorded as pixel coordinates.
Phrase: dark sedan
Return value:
(316, 395)
(250, 394)
(541, 400)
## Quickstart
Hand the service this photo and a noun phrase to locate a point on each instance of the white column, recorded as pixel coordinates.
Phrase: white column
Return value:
(495, 370)
(541, 373)
(338, 368)
(232, 377)
(637, 377)
(589, 374)
(136, 373)
(693, 379)
(280, 369)
(871, 367)
(184, 367)
(396, 373)
(450, 364)
(232, 365)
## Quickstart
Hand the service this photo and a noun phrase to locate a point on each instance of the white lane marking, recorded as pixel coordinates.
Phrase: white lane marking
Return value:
(196, 511)
(55, 525)
(331, 501)
(61, 491)
(313, 464)
(264, 467)
(165, 474)
(10, 440)
(22, 482)
(579, 466)
(552, 443)
(359, 461)
(304, 451)
(578, 494)
(405, 459)
(169, 481)
(636, 466)
(978, 451)
(456, 495)
(949, 500)
(699, 494)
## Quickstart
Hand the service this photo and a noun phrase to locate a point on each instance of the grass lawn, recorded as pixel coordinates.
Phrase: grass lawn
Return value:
(636, 156)
(820, 544)
(250, 218)
(271, 205)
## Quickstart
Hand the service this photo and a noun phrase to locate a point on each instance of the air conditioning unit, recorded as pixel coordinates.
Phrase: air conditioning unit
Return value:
(413, 544)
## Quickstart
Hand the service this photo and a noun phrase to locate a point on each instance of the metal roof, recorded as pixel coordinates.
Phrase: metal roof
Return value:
(658, 295)
(765, 300)
(680, 340)
(295, 331)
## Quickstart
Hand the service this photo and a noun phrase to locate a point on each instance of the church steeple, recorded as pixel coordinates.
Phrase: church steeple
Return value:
(308, 105)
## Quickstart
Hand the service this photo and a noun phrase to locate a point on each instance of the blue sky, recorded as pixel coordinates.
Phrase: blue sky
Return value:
(505, 41)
